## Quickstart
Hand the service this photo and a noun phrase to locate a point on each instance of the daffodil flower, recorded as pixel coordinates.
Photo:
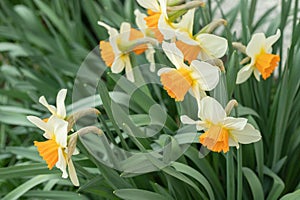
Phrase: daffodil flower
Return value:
(221, 131)
(115, 53)
(203, 46)
(262, 61)
(55, 150)
(198, 77)
(154, 12)
(141, 23)
(60, 109)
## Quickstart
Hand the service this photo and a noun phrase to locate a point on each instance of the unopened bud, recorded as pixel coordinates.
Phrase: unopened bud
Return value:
(239, 46)
(209, 28)
(186, 6)
(230, 105)
(76, 116)
(245, 60)
(72, 142)
(217, 62)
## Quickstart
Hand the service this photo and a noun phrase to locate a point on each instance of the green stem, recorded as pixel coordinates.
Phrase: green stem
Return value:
(239, 173)
(230, 175)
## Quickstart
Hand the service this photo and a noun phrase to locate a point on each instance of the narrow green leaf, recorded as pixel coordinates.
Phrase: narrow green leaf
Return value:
(255, 185)
(22, 189)
(137, 194)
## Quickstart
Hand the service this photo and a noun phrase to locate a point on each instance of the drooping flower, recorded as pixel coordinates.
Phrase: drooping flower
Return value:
(221, 131)
(198, 77)
(115, 53)
(203, 46)
(60, 109)
(141, 23)
(55, 149)
(262, 61)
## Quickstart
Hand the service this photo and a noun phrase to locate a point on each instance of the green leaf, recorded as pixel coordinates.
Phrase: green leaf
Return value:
(22, 189)
(55, 194)
(137, 194)
(291, 196)
(255, 185)
(278, 185)
(25, 170)
(185, 169)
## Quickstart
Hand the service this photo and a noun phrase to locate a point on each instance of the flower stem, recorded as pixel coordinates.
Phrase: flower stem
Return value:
(230, 175)
(239, 173)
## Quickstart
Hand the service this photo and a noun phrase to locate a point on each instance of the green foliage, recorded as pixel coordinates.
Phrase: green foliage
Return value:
(42, 45)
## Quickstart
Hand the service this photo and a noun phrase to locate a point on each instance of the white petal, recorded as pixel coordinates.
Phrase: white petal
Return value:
(212, 46)
(139, 20)
(38, 122)
(72, 173)
(125, 31)
(163, 6)
(149, 4)
(104, 25)
(256, 73)
(211, 110)
(235, 123)
(207, 76)
(113, 40)
(173, 53)
(187, 120)
(248, 135)
(271, 40)
(128, 69)
(113, 36)
(118, 65)
(186, 38)
(61, 132)
(165, 28)
(164, 70)
(257, 42)
(44, 102)
(187, 22)
(233, 142)
(244, 74)
(60, 103)
(150, 57)
(62, 163)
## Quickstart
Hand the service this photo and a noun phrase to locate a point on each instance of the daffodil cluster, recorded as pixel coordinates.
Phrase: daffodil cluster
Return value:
(198, 60)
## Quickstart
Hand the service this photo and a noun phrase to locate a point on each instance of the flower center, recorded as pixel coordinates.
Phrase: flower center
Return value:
(49, 151)
(177, 82)
(215, 138)
(266, 63)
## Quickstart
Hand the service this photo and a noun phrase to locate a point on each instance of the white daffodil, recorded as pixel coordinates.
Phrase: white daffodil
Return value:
(201, 46)
(55, 151)
(154, 11)
(198, 77)
(141, 23)
(112, 52)
(60, 109)
(262, 61)
(221, 131)
(115, 53)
